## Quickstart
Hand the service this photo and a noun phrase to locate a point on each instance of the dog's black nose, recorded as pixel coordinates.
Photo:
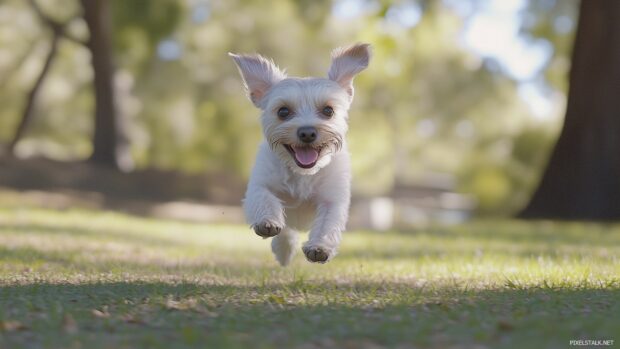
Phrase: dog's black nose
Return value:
(307, 134)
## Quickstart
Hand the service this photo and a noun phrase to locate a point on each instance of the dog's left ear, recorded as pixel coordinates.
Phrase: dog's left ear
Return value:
(259, 75)
(346, 63)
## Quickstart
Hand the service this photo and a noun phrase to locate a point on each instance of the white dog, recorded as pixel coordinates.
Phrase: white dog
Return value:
(302, 175)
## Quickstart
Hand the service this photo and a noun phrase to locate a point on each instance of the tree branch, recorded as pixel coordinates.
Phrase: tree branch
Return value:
(73, 39)
(58, 32)
(56, 26)
(32, 95)
(19, 62)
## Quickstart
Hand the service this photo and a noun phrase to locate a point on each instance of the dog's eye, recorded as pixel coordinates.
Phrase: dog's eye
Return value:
(328, 111)
(284, 112)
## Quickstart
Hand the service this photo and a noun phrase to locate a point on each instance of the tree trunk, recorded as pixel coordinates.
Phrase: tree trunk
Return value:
(582, 178)
(34, 92)
(97, 16)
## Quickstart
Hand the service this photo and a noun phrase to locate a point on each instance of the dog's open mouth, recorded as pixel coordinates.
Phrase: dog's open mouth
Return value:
(305, 157)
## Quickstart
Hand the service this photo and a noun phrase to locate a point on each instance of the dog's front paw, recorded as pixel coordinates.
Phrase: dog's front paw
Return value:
(316, 254)
(266, 229)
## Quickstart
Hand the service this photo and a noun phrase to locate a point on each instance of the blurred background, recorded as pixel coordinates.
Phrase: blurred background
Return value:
(135, 105)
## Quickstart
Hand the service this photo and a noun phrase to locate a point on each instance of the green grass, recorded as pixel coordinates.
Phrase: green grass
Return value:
(86, 279)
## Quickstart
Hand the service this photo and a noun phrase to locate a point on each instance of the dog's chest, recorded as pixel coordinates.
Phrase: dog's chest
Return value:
(298, 189)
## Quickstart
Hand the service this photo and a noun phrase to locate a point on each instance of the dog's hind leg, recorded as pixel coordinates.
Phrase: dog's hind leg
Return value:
(284, 246)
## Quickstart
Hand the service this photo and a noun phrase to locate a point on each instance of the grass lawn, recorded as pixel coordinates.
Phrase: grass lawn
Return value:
(87, 279)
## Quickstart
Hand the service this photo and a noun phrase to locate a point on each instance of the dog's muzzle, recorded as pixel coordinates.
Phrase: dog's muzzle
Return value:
(304, 156)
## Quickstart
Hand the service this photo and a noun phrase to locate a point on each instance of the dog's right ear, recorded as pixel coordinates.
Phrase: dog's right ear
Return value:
(259, 75)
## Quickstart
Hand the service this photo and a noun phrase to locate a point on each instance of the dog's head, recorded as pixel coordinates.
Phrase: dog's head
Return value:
(304, 119)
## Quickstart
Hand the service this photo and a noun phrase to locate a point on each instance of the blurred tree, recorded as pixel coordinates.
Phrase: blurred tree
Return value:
(581, 180)
(97, 17)
(433, 105)
(58, 32)
(144, 20)
(34, 92)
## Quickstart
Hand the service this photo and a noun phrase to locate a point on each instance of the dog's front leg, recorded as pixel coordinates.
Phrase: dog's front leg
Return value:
(263, 211)
(326, 231)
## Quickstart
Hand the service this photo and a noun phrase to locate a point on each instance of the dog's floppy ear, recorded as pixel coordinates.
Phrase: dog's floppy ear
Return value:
(346, 63)
(259, 75)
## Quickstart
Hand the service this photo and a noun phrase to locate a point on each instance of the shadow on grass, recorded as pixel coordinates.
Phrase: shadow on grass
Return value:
(30, 256)
(74, 260)
(88, 232)
(356, 314)
(530, 232)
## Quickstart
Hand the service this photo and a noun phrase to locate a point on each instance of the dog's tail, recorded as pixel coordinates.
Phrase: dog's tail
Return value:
(284, 246)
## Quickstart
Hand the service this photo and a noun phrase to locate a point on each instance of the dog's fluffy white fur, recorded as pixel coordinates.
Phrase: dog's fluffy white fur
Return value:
(291, 187)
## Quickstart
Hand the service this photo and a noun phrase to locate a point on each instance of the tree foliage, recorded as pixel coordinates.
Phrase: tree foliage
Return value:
(425, 105)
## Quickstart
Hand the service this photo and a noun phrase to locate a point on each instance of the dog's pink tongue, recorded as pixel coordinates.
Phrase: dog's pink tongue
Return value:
(306, 155)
